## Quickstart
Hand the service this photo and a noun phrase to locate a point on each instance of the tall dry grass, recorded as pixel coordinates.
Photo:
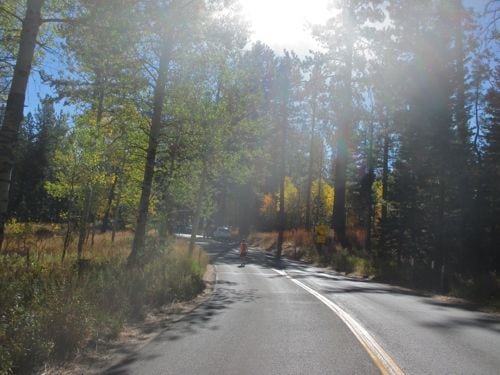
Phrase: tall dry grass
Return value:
(49, 310)
(297, 244)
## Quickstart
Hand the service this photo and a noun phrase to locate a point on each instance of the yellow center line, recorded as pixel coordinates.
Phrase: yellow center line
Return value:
(380, 357)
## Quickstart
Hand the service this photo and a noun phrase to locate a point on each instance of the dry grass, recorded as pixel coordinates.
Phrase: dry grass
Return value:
(44, 242)
(264, 240)
(297, 244)
(49, 310)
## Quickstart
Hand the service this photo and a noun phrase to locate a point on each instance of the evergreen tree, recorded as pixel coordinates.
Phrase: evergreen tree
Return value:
(40, 136)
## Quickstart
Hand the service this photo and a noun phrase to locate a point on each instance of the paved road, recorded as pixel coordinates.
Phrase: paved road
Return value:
(263, 319)
(423, 335)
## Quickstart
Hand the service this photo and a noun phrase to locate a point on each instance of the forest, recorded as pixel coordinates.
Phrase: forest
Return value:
(164, 114)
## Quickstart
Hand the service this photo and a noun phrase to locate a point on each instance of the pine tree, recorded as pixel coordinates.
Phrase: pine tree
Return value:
(345, 36)
(492, 177)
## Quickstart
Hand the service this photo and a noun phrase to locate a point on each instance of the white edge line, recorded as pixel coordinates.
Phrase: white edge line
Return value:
(216, 278)
(367, 340)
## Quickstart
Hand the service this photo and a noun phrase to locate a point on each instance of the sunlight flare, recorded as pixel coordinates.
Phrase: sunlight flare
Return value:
(284, 23)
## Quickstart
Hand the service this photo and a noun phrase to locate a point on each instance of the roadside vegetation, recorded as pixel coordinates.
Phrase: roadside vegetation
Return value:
(50, 310)
(156, 115)
(300, 245)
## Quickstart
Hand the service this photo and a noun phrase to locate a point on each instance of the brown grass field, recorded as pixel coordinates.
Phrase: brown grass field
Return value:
(50, 310)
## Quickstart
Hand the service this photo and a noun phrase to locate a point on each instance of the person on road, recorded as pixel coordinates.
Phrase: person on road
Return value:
(243, 251)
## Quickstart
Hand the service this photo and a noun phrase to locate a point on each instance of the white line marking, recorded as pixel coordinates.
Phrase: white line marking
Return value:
(216, 278)
(383, 360)
(246, 273)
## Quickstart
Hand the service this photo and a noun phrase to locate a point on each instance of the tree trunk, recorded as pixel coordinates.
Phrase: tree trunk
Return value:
(461, 113)
(221, 218)
(156, 122)
(164, 225)
(84, 219)
(385, 178)
(66, 240)
(13, 114)
(319, 200)
(310, 168)
(281, 214)
(281, 217)
(371, 178)
(116, 211)
(197, 214)
(441, 250)
(464, 189)
(245, 211)
(111, 195)
(339, 210)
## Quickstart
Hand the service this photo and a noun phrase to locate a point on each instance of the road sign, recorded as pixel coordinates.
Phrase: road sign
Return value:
(321, 233)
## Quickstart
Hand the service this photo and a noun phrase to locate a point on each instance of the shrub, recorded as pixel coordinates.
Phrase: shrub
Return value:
(351, 261)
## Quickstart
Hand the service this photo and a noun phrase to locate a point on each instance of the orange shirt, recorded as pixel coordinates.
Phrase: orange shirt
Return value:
(243, 248)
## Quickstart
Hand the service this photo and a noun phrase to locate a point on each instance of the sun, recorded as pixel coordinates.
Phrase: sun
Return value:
(283, 23)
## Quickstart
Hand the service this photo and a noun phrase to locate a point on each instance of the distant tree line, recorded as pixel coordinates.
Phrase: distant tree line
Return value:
(389, 134)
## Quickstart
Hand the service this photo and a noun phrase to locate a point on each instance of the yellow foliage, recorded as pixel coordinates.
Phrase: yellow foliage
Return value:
(291, 195)
(326, 193)
(377, 190)
(267, 204)
(269, 201)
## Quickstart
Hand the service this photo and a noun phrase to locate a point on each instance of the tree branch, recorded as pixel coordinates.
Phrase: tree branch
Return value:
(61, 20)
(5, 10)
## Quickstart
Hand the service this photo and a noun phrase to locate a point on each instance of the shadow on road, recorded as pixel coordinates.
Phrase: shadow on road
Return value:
(489, 324)
(224, 296)
(227, 293)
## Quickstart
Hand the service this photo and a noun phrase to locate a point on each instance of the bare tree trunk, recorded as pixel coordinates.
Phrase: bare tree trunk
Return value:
(13, 114)
(156, 122)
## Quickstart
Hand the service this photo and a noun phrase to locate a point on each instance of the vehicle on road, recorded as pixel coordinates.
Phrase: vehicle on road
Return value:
(222, 234)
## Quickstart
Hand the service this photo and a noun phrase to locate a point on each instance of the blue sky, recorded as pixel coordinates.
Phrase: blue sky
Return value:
(267, 24)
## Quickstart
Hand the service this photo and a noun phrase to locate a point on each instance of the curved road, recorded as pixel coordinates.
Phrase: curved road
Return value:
(296, 319)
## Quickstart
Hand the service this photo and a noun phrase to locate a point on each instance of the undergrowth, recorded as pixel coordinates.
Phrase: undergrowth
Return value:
(49, 310)
(299, 244)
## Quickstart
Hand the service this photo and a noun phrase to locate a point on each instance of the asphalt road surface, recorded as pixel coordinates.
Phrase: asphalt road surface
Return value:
(290, 318)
